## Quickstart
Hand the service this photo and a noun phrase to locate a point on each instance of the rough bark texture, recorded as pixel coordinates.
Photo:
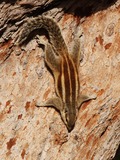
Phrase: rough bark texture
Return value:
(31, 133)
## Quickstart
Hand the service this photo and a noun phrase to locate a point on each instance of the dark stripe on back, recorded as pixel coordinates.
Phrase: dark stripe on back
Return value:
(67, 80)
(59, 83)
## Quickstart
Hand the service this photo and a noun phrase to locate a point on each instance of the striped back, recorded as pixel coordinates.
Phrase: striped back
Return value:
(67, 87)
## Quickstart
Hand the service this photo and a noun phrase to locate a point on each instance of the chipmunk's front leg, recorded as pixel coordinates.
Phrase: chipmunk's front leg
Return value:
(84, 98)
(52, 102)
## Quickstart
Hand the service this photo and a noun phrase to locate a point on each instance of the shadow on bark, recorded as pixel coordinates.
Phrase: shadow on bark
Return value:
(78, 8)
(117, 155)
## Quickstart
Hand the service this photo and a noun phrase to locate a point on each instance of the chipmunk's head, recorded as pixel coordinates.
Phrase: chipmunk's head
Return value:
(69, 117)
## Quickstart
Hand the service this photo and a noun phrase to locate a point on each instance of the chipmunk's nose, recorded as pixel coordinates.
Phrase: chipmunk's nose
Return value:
(70, 127)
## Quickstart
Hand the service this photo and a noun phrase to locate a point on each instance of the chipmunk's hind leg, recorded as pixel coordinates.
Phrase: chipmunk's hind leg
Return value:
(52, 60)
(76, 52)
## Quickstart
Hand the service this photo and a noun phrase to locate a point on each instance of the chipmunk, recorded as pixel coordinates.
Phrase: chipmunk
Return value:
(64, 66)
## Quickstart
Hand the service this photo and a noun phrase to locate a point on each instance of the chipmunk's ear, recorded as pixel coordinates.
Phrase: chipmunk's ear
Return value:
(76, 52)
(52, 60)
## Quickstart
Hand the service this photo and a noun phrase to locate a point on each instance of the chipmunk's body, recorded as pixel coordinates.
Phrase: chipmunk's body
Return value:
(64, 66)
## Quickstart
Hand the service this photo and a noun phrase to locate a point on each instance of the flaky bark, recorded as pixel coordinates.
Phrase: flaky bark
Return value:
(31, 133)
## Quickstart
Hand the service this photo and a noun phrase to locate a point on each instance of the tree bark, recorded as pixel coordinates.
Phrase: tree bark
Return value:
(31, 133)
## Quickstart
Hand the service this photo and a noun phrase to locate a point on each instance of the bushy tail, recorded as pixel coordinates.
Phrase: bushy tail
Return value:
(55, 37)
